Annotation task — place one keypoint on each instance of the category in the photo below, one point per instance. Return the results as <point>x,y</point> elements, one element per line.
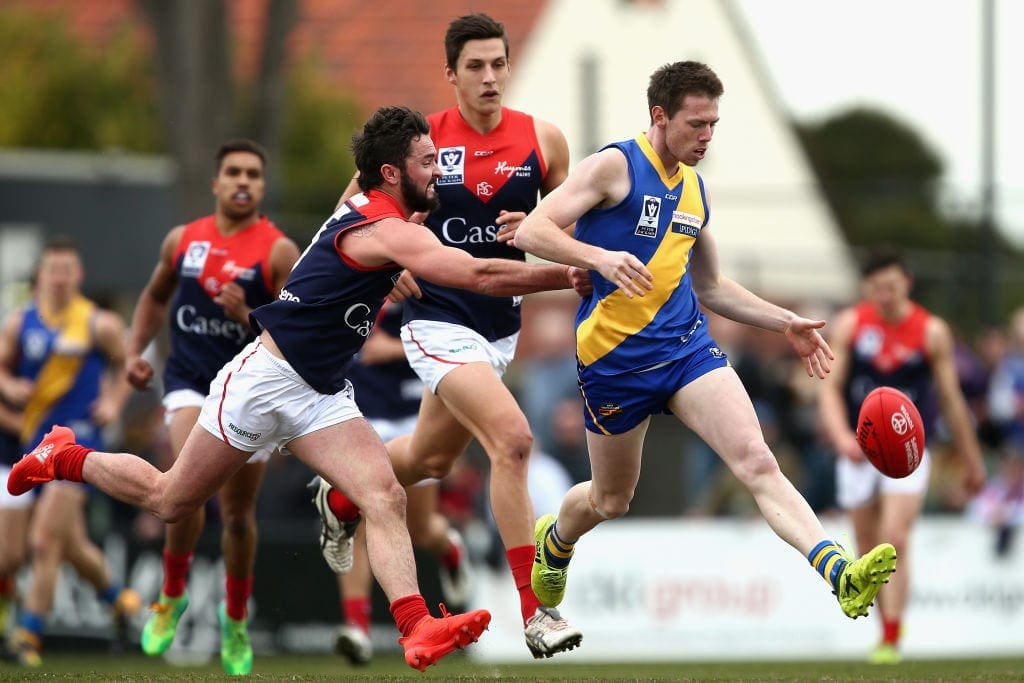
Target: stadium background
<point>787,237</point>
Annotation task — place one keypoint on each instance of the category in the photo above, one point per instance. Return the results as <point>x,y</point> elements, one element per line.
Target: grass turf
<point>133,667</point>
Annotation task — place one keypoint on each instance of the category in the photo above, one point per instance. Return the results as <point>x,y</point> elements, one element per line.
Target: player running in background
<point>889,340</point>
<point>211,273</point>
<point>14,515</point>
<point>388,392</point>
<point>494,161</point>
<point>61,362</point>
<point>641,216</point>
<point>288,387</point>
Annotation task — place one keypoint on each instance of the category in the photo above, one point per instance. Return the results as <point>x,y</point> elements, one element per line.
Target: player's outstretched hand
<point>140,372</point>
<point>580,279</point>
<point>508,222</point>
<point>405,288</point>
<point>803,334</point>
<point>626,272</point>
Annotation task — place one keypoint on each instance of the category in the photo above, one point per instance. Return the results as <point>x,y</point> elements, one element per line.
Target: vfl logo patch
<point>452,161</point>
<point>686,224</point>
<point>195,259</point>
<point>647,225</point>
<point>609,410</point>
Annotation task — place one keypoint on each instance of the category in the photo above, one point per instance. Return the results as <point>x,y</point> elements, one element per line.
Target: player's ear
<point>391,174</point>
<point>449,74</point>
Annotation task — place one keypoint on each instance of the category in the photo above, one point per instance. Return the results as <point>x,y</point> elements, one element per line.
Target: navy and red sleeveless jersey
<point>481,175</point>
<point>329,304</point>
<point>203,338</point>
<point>386,391</point>
<point>890,354</point>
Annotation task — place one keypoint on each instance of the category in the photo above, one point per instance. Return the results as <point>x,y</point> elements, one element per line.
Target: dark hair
<point>60,243</point>
<point>671,84</point>
<point>386,138</point>
<point>471,27</point>
<point>881,258</point>
<point>238,145</point>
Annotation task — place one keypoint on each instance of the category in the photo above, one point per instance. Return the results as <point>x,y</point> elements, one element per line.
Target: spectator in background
<point>62,362</point>
<point>1001,503</point>
<point>1006,388</point>
<point>14,515</point>
<point>889,340</point>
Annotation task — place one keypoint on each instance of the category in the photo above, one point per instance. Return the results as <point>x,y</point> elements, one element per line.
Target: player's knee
<point>512,448</point>
<point>239,525</point>
<point>438,466</point>
<point>610,505</point>
<point>390,501</point>
<point>757,463</point>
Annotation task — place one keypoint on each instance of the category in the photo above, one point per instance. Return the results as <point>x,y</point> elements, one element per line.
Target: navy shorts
<point>614,404</point>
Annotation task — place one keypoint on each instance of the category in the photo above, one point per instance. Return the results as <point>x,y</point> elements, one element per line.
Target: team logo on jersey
<point>686,224</point>
<point>452,161</point>
<point>484,188</point>
<point>647,226</point>
<point>195,259</point>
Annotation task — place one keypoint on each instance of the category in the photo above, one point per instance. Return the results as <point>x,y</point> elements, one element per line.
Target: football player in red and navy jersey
<point>889,340</point>
<point>288,387</point>
<point>494,164</point>
<point>211,273</point>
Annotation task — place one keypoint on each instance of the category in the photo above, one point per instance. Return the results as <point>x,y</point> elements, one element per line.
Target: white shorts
<point>389,429</point>
<point>858,483</point>
<point>435,348</point>
<point>258,402</point>
<point>7,501</point>
<point>190,398</point>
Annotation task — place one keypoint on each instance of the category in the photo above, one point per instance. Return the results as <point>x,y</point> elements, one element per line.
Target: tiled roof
<point>382,52</point>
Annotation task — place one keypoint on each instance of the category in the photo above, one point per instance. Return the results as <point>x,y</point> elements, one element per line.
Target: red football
<point>890,432</point>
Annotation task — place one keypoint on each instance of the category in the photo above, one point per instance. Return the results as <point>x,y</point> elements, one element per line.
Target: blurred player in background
<point>641,216</point>
<point>61,362</point>
<point>14,515</point>
<point>288,387</point>
<point>388,393</point>
<point>494,161</point>
<point>889,340</point>
<point>211,273</point>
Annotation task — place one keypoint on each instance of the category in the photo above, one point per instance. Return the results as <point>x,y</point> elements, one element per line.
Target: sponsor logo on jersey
<point>452,161</point>
<point>357,317</point>
<point>195,259</point>
<point>609,411</point>
<point>483,152</point>
<point>188,321</point>
<point>285,295</point>
<point>647,225</point>
<point>508,170</point>
<point>686,224</point>
<point>233,271</point>
<point>456,230</point>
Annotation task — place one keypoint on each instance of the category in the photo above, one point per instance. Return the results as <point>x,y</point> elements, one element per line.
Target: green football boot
<point>548,582</point>
<point>863,578</point>
<point>158,633</point>
<point>235,648</point>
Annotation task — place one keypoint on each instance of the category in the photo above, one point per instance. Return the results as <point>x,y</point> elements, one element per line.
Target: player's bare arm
<point>110,339</point>
<point>417,249</point>
<point>15,390</point>
<point>732,300</point>
<point>10,420</point>
<point>832,405</point>
<point>939,341</point>
<point>151,310</point>
<point>601,179</point>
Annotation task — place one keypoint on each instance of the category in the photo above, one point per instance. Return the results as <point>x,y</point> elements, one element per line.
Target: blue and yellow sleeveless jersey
<point>59,354</point>
<point>659,222</point>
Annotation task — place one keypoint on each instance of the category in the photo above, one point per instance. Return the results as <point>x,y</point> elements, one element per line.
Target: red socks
<point>237,592</point>
<point>890,631</point>
<point>521,561</point>
<point>408,612</point>
<point>68,463</point>
<point>175,573</point>
<point>343,508</point>
<point>356,611</point>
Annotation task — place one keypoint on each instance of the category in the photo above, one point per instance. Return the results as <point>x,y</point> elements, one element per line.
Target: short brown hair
<point>471,27</point>
<point>670,85</point>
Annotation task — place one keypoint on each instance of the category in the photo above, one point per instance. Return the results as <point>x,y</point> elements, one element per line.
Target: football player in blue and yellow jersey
<point>641,213</point>
<point>62,361</point>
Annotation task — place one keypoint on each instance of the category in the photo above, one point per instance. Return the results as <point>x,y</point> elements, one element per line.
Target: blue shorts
<point>614,404</point>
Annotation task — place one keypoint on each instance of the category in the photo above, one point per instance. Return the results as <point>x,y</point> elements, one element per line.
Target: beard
<point>416,199</point>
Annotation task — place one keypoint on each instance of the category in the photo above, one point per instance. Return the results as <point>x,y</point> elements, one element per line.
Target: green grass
<point>134,667</point>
